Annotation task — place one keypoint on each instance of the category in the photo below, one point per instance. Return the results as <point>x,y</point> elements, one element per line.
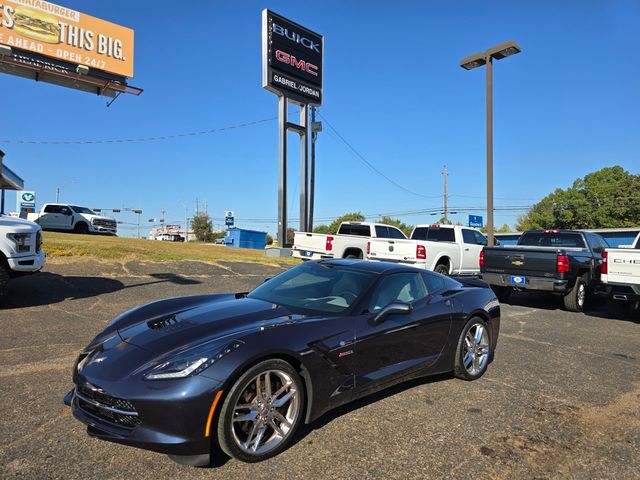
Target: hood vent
<point>168,323</point>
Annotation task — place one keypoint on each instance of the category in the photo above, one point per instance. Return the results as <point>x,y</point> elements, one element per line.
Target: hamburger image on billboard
<point>61,33</point>
<point>36,25</point>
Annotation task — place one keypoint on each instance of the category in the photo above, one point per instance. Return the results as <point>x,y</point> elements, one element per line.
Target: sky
<point>569,104</point>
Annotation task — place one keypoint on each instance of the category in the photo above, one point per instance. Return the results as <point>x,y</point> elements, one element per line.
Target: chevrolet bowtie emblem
<point>517,263</point>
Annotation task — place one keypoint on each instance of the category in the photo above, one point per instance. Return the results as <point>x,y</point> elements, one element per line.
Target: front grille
<point>106,407</point>
<point>99,222</point>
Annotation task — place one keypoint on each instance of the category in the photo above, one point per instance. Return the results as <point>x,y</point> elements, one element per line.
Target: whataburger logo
<point>28,197</point>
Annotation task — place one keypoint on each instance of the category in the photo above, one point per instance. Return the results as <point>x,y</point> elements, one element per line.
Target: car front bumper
<point>27,263</point>
<point>531,283</point>
<point>100,229</point>
<point>171,417</point>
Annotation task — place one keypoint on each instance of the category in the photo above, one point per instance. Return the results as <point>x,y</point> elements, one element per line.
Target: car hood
<point>18,223</point>
<point>97,217</point>
<point>221,318</point>
<point>121,351</point>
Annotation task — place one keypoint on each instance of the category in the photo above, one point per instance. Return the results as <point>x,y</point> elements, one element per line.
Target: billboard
<point>63,34</point>
<point>292,59</point>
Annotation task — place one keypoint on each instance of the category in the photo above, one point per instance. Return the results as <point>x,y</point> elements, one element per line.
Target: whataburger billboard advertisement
<point>292,57</point>
<point>61,33</point>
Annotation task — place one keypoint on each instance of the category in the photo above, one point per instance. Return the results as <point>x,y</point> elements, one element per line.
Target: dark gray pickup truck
<point>563,262</point>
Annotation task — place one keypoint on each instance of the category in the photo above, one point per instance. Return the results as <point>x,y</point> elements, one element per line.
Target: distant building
<point>243,238</point>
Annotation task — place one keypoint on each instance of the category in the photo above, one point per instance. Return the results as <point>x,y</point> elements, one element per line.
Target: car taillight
<point>481,258</point>
<point>329,244</point>
<point>368,248</point>
<point>421,252</point>
<point>563,264</point>
<point>604,269</point>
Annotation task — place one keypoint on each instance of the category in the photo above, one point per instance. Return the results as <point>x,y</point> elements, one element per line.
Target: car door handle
<point>466,249</point>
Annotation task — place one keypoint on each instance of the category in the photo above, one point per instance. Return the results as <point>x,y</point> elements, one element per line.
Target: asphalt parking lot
<point>561,400</point>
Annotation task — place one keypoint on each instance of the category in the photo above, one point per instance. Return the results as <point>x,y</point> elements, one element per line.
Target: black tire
<point>617,308</point>
<point>226,438</point>
<point>82,228</point>
<point>502,293</point>
<point>4,280</point>
<point>574,300</point>
<point>459,369</point>
<point>442,269</point>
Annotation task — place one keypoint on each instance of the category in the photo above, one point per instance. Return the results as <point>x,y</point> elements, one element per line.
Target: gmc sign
<point>292,59</point>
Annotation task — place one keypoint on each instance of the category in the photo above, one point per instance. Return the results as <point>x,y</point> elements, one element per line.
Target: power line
<point>141,139</point>
<point>369,164</point>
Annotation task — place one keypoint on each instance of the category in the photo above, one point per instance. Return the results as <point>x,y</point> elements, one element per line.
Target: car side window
<point>397,287</point>
<point>468,236</point>
<point>446,235</point>
<point>52,209</point>
<point>433,282</point>
<point>65,210</point>
<point>382,232</point>
<point>480,238</point>
<point>395,233</point>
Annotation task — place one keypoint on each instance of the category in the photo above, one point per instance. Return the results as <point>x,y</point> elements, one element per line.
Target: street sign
<point>229,218</point>
<point>475,221</point>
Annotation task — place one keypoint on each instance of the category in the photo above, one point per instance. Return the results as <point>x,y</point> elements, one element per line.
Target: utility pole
<point>163,211</point>
<point>445,173</point>
<point>186,223</point>
<point>197,207</point>
<point>315,128</point>
<point>57,194</point>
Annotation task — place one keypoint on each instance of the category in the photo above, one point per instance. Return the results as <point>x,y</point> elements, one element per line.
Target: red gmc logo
<point>294,62</point>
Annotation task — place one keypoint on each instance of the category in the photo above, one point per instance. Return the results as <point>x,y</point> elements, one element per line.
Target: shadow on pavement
<point>48,288</point>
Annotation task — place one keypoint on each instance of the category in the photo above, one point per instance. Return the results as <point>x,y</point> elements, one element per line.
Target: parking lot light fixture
<point>470,62</point>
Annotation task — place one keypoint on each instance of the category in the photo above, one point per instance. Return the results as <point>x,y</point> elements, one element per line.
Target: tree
<point>608,198</point>
<point>269,239</point>
<point>201,225</point>
<point>444,221</point>
<point>397,223</point>
<point>333,226</point>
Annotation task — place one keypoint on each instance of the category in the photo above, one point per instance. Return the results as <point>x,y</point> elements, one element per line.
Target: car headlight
<point>190,362</point>
<point>22,241</point>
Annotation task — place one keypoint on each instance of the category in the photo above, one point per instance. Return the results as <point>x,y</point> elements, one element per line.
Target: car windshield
<point>86,210</point>
<point>316,287</point>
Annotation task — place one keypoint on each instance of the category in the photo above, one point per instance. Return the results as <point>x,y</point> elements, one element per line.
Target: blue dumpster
<point>243,238</point>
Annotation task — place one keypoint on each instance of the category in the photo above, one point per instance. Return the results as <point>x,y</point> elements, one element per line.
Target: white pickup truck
<point>620,277</point>
<point>351,241</point>
<point>71,218</point>
<point>20,249</point>
<point>445,249</point>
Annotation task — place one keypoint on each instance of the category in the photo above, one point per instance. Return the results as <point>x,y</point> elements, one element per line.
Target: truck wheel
<point>81,227</point>
<point>503,293</point>
<point>442,269</point>
<point>617,308</point>
<point>4,281</point>
<point>574,300</point>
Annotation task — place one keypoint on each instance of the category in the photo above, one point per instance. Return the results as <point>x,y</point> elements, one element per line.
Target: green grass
<point>115,248</point>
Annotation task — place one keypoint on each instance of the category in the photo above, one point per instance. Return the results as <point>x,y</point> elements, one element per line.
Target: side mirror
<point>394,308</point>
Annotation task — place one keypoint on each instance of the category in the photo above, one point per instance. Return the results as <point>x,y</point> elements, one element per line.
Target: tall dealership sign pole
<point>498,52</point>
<point>292,64</point>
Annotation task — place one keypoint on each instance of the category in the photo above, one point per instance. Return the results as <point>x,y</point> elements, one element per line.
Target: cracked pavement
<point>561,400</point>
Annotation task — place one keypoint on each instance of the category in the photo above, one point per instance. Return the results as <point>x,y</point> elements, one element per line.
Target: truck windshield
<point>434,234</point>
<point>550,239</point>
<point>85,210</point>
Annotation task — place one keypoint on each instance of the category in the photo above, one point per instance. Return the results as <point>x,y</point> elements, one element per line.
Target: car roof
<point>373,267</point>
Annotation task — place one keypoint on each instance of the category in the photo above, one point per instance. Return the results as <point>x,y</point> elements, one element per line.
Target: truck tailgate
<point>310,242</point>
<point>396,250</point>
<point>623,265</point>
<point>525,261</point>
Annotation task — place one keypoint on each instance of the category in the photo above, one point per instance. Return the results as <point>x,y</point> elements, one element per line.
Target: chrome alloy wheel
<point>476,349</point>
<point>265,412</point>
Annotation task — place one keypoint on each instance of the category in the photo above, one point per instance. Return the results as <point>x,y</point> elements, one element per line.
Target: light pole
<point>498,52</point>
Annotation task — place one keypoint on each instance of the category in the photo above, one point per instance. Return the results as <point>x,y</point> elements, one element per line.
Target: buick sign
<point>292,58</point>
